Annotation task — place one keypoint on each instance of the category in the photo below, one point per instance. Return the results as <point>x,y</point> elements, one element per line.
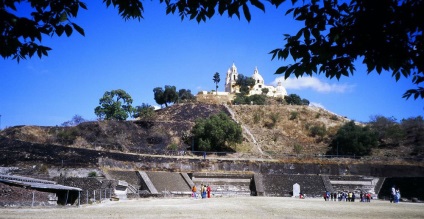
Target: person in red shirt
<point>208,190</point>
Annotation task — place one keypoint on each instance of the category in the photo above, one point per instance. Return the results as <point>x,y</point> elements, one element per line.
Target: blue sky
<point>163,50</point>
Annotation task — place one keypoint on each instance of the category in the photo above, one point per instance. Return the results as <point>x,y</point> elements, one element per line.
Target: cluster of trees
<point>334,33</point>
<point>352,139</point>
<point>169,95</point>
<point>117,104</point>
<point>408,132</point>
<point>256,99</point>
<point>294,99</point>
<point>382,132</point>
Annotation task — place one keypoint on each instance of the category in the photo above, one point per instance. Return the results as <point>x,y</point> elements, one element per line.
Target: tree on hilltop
<point>185,95</point>
<point>294,99</point>
<point>145,111</point>
<point>245,83</point>
<point>114,105</point>
<point>165,96</point>
<point>216,80</point>
<point>334,35</point>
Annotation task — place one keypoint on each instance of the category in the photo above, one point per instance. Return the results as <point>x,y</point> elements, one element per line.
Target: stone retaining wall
<point>282,185</point>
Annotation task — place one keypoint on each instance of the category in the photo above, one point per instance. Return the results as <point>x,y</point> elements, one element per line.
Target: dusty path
<point>234,207</point>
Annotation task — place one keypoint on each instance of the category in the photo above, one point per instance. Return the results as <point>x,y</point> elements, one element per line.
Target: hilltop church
<point>232,88</point>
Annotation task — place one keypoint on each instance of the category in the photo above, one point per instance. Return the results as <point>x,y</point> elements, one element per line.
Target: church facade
<point>232,88</point>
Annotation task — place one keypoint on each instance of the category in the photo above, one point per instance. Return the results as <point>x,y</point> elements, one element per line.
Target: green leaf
<point>107,2</point>
<point>68,30</point>
<point>289,11</point>
<point>210,12</point>
<point>39,53</point>
<point>221,7</point>
<point>258,4</point>
<point>378,68</point>
<point>63,17</point>
<point>82,5</point>
<point>306,34</point>
<point>78,29</point>
<point>193,15</point>
<point>246,12</point>
<point>281,70</point>
<point>59,30</point>
<point>274,53</point>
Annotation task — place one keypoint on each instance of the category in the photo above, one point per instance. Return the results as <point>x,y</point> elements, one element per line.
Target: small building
<point>20,190</point>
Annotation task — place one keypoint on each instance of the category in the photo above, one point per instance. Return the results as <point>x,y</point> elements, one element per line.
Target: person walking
<point>202,189</point>
<point>208,190</point>
<point>194,190</point>
<point>397,196</point>
<point>392,194</point>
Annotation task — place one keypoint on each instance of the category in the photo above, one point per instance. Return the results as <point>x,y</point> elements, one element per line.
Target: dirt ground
<point>229,207</point>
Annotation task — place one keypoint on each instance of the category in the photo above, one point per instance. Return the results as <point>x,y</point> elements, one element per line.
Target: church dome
<point>257,77</point>
<point>280,90</point>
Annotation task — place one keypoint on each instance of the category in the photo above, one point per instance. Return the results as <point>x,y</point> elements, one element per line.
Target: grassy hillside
<point>287,129</point>
<point>275,130</point>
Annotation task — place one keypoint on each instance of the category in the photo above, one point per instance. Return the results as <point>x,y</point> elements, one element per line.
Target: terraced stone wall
<point>282,185</point>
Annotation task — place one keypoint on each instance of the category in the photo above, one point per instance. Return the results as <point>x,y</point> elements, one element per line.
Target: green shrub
<point>275,117</point>
<point>334,117</point>
<point>92,174</point>
<point>297,148</point>
<point>68,135</point>
<point>173,146</point>
<point>216,133</point>
<point>293,115</point>
<point>317,130</point>
<point>352,139</point>
<point>257,116</point>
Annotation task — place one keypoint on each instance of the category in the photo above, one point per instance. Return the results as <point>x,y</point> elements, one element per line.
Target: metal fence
<point>37,198</point>
<point>94,196</point>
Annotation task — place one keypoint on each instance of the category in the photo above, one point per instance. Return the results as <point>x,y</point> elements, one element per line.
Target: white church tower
<point>231,79</point>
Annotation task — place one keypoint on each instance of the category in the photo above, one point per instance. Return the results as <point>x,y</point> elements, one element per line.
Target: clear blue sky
<point>163,50</point>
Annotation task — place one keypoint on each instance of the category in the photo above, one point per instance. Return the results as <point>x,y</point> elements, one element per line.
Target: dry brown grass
<point>232,207</point>
<point>278,129</point>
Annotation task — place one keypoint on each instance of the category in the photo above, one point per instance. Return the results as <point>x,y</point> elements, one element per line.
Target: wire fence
<point>34,198</point>
<point>94,196</point>
<point>271,155</point>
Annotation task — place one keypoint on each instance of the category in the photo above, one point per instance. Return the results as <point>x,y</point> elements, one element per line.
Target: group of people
<point>346,196</point>
<point>395,195</point>
<point>205,191</point>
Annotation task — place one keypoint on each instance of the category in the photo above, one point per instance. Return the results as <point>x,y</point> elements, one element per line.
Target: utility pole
<point>0,121</point>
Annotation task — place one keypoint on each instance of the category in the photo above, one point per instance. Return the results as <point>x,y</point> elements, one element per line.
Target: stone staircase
<point>356,184</point>
<point>327,184</point>
<point>243,184</point>
<point>225,184</point>
<point>168,183</point>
